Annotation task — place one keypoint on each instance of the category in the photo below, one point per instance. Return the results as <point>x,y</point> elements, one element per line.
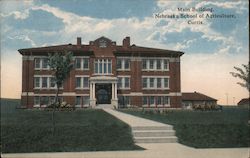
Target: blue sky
<point>221,42</point>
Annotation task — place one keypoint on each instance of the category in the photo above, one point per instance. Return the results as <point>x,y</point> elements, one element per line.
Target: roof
<point>244,101</point>
<point>117,49</point>
<point>66,47</point>
<point>196,96</point>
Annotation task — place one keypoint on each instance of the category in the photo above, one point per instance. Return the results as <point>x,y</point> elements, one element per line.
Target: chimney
<point>79,41</point>
<point>126,42</point>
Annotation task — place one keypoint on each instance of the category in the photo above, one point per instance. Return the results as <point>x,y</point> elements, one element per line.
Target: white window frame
<point>123,82</point>
<point>48,78</point>
<point>82,63</point>
<point>101,62</point>
<point>123,64</point>
<point>154,68</point>
<point>41,63</point>
<point>81,81</point>
<point>155,82</point>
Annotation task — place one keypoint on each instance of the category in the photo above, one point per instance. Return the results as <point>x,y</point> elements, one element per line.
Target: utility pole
<point>227,98</point>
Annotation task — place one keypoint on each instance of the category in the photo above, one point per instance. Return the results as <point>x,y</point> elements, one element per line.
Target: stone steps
<point>154,134</point>
<point>172,139</point>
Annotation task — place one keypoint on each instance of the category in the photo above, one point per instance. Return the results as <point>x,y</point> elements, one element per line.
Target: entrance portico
<point>103,90</point>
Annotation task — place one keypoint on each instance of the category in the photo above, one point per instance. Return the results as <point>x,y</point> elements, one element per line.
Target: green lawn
<point>204,129</point>
<point>80,130</point>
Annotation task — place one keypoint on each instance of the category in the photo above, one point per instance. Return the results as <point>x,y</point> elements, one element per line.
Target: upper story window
<point>123,64</point>
<point>103,66</point>
<point>123,82</point>
<point>155,82</point>
<point>44,82</point>
<point>41,63</point>
<point>102,43</point>
<point>82,82</point>
<point>155,64</point>
<point>82,63</point>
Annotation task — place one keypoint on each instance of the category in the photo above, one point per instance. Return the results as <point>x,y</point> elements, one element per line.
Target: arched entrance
<point>103,93</point>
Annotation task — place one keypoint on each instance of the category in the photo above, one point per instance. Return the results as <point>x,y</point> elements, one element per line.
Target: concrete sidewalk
<point>162,150</point>
<point>133,121</point>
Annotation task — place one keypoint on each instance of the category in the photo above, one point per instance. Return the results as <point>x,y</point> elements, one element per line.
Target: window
<point>144,64</point>
<point>166,83</point>
<point>52,100</point>
<point>123,101</point>
<point>82,63</point>
<point>78,63</point>
<point>85,82</point>
<point>144,100</point>
<point>78,82</point>
<point>119,84</point>
<point>155,64</point>
<point>165,64</point>
<point>44,100</point>
<point>82,82</point>
<point>151,64</point>
<point>78,100</point>
<point>103,66</point>
<point>126,82</point>
<point>152,100</point>
<point>151,82</point>
<point>37,63</point>
<point>166,100</point>
<point>126,64</point>
<point>52,82</point>
<point>37,82</point>
<point>158,82</point>
<point>123,64</point>
<point>36,100</point>
<point>41,63</point>
<point>158,64</point>
<point>44,82</point>
<point>45,63</point>
<point>123,82</point>
<point>118,64</point>
<point>85,100</point>
<point>144,82</point>
<point>158,100</point>
<point>85,63</point>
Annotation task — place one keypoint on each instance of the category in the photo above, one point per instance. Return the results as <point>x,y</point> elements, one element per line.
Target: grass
<point>205,129</point>
<point>80,130</point>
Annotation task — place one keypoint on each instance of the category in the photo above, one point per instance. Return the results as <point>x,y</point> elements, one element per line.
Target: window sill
<point>122,69</point>
<point>155,88</point>
<point>82,88</point>
<point>147,70</point>
<point>79,69</point>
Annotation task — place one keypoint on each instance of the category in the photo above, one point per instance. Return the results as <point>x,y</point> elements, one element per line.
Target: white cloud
<point>23,38</point>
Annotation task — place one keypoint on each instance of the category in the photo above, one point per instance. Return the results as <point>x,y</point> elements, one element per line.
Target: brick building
<point>104,73</point>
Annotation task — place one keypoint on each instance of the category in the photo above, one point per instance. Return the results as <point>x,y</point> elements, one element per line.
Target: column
<point>90,91</point>
<point>113,91</point>
<point>93,91</point>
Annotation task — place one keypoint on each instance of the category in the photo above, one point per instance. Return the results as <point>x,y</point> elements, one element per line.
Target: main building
<point>104,73</point>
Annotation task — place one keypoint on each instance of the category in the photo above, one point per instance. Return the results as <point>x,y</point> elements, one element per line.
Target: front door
<point>103,93</point>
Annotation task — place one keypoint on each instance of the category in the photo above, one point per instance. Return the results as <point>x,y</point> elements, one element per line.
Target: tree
<point>243,74</point>
<point>60,65</point>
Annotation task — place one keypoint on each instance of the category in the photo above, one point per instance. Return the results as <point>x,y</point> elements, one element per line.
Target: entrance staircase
<point>146,131</point>
<point>104,106</point>
<point>154,134</point>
